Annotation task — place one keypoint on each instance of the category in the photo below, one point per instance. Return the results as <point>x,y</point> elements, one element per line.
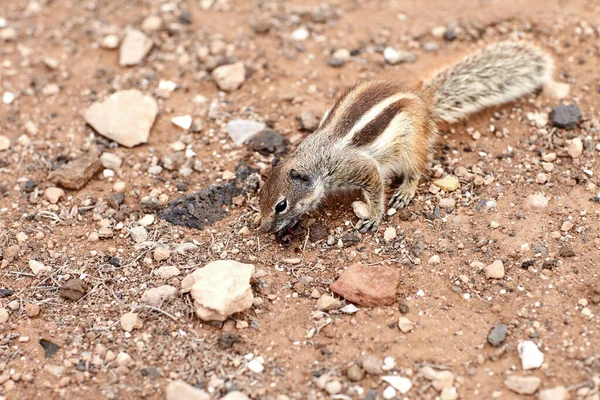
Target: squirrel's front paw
<point>366,225</point>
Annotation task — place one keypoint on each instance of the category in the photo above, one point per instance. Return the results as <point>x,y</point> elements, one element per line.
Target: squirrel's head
<point>289,192</point>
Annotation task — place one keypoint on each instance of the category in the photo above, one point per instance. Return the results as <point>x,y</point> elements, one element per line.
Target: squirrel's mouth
<point>286,224</point>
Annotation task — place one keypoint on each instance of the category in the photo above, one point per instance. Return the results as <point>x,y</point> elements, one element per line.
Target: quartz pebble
<point>531,356</point>
<point>229,77</point>
<point>393,56</point>
<point>134,48</point>
<point>400,383</point>
<point>328,303</point>
<point>405,325</point>
<point>575,148</point>
<point>495,270</point>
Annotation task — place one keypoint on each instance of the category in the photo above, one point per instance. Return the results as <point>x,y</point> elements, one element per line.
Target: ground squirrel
<point>377,131</point>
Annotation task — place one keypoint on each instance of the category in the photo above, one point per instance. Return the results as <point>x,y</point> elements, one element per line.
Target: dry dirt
<point>546,295</point>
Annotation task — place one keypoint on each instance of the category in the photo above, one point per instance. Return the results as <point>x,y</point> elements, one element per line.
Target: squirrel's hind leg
<point>405,193</point>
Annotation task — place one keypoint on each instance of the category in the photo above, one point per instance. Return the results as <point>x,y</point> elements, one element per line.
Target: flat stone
<point>179,390</point>
<point>565,117</point>
<point>157,296</point>
<point>77,172</point>
<point>242,130</point>
<point>369,286</point>
<point>523,384</point>
<point>167,272</point>
<point>73,289</point>
<point>235,395</point>
<point>134,48</point>
<point>222,288</point>
<point>125,117</point>
<point>556,393</point>
<point>229,77</point>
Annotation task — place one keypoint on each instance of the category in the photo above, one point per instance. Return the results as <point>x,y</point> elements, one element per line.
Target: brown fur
<point>378,131</point>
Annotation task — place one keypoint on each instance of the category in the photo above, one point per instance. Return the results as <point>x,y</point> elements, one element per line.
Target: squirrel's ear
<point>275,161</point>
<point>298,176</point>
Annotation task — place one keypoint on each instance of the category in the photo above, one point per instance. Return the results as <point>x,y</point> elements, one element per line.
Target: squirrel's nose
<point>266,226</point>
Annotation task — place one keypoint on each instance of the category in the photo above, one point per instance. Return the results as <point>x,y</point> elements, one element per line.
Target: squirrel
<point>377,131</point>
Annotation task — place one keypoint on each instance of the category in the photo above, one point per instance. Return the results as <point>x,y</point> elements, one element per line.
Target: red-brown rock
<point>368,286</point>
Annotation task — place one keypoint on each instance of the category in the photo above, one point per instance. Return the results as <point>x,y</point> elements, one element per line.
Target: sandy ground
<point>549,293</point>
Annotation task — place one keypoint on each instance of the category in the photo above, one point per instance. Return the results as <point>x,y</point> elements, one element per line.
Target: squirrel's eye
<point>280,207</point>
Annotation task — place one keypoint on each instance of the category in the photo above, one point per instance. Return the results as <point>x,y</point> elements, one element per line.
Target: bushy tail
<point>495,75</point>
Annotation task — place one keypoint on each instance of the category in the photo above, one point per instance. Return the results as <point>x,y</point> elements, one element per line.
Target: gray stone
<point>497,335</point>
<point>565,117</point>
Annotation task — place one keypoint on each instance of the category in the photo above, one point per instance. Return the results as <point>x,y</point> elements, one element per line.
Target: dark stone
<point>150,204</point>
<point>269,142</point>
<point>58,162</point>
<point>527,263</point>
<point>152,372</point>
<point>481,204</point>
<point>318,232</point>
<point>200,209</point>
<point>29,186</point>
<point>185,17</point>
<point>50,349</point>
<point>403,307</point>
<point>288,235</point>
<point>205,207</point>
<point>450,35</point>
<point>565,117</point>
<point>115,200</point>
<point>81,367</point>
<point>115,262</point>
<point>497,335</point>
<point>6,293</point>
<point>228,339</point>
<point>182,187</point>
<point>566,251</point>
<point>549,264</point>
<point>349,239</point>
<point>73,289</point>
<point>371,395</point>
